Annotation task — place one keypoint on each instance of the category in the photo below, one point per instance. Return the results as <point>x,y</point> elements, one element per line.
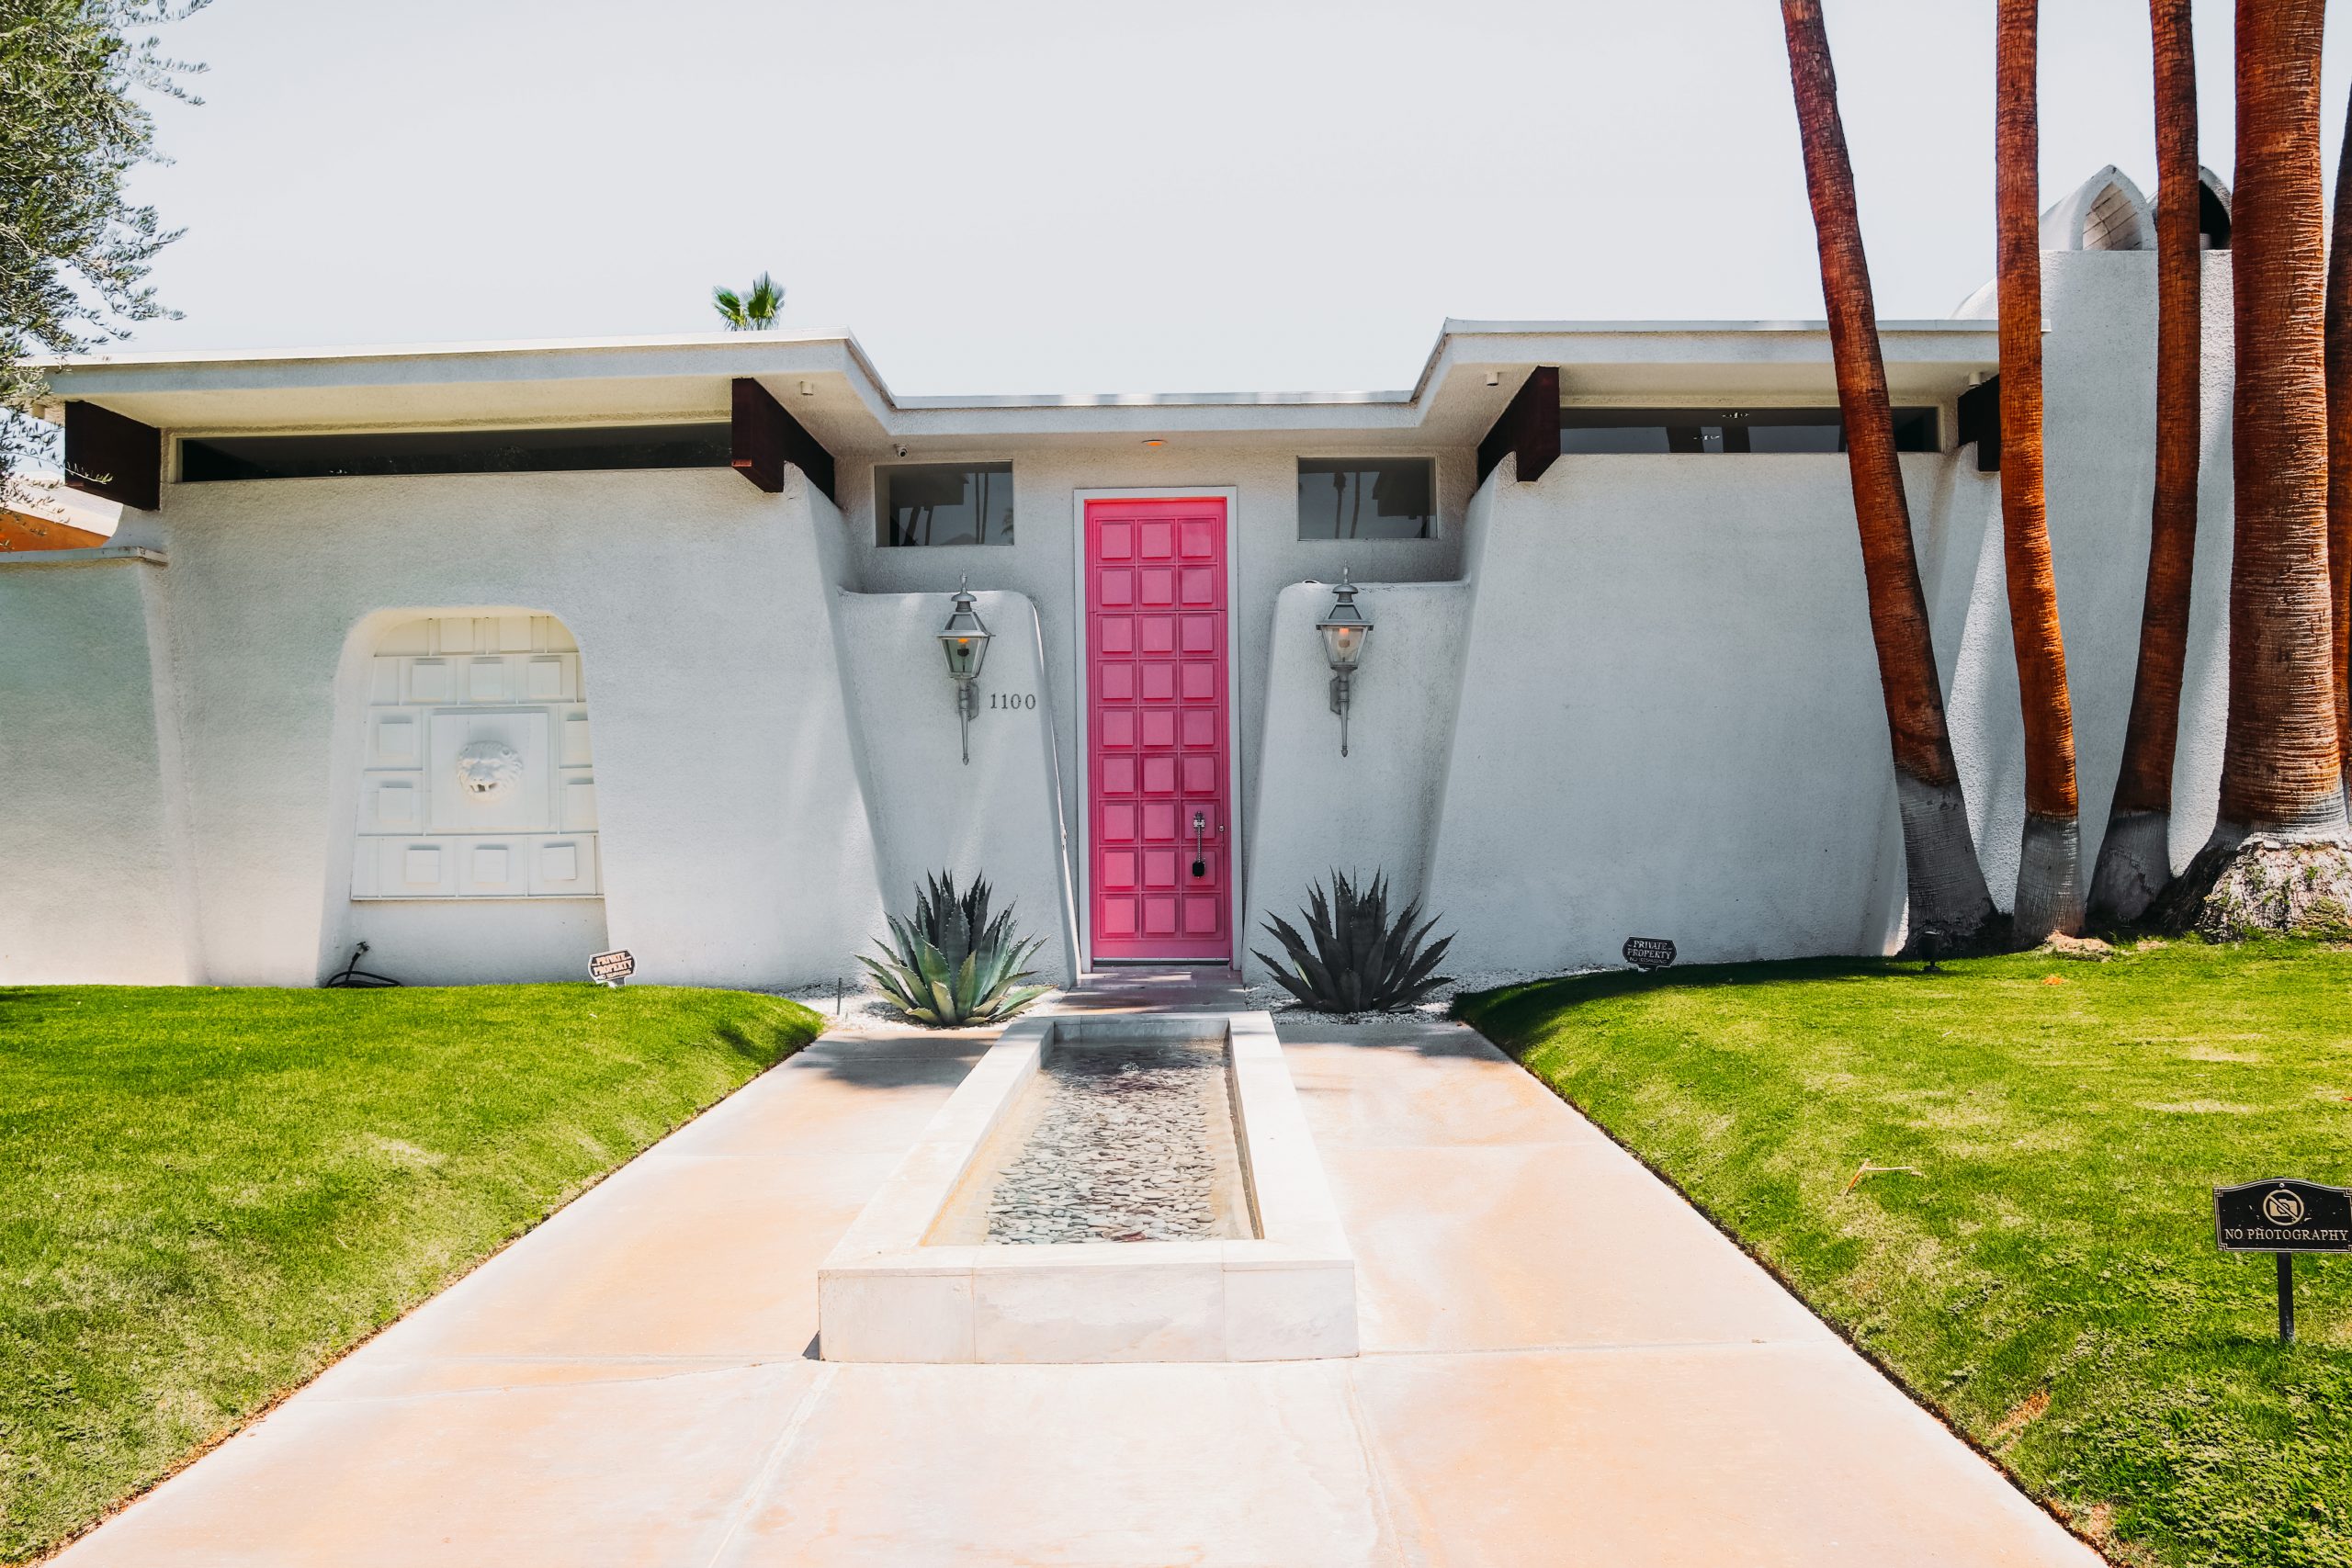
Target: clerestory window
<point>944,503</point>
<point>1718,429</point>
<point>1367,498</point>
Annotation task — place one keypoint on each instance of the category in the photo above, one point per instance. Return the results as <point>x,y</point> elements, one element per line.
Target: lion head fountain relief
<point>489,769</point>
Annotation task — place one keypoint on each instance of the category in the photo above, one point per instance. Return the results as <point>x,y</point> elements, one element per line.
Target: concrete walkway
<point>1562,1364</point>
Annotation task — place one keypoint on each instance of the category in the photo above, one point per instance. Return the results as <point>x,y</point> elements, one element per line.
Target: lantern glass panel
<point>1343,644</point>
<point>965,654</point>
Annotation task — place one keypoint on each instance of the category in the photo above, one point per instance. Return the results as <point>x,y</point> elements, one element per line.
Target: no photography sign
<point>2284,1216</point>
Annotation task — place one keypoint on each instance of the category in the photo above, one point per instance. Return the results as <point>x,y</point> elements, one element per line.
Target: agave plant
<point>1361,961</point>
<point>953,966</point>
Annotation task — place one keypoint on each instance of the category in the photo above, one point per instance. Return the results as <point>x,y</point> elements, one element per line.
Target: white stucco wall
<point>1375,808</point>
<point>1709,744</point>
<point>1670,722</point>
<point>1000,816</point>
<point>736,844</point>
<point>90,888</point>
<point>1636,697</point>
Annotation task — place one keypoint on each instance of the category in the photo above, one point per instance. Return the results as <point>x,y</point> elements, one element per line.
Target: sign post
<point>611,968</point>
<point>2283,1216</point>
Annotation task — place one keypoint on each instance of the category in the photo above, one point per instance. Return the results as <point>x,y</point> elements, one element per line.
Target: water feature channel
<point>1113,1142</point>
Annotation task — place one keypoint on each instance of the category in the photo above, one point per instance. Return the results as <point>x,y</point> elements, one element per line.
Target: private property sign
<point>2283,1215</point>
<point>1648,952</point>
<point>611,968</point>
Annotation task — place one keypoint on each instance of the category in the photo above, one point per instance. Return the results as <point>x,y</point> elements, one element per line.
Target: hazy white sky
<point>1094,195</point>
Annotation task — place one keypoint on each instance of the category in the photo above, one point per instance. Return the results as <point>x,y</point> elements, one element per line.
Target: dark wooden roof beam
<point>113,455</point>
<point>766,438</point>
<point>1530,427</point>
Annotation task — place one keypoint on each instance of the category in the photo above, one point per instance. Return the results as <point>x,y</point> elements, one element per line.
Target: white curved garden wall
<point>1670,722</point>
<point>92,831</point>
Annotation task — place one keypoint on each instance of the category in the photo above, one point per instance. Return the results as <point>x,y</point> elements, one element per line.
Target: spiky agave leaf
<point>1364,931</point>
<point>967,989</point>
<point>1002,996</point>
<point>1395,947</point>
<point>1398,954</point>
<point>1315,974</point>
<point>893,982</point>
<point>907,940</point>
<point>933,993</point>
<point>1014,1000</point>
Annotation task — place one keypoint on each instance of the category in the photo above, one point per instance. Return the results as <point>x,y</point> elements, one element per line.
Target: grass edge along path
<point>216,1194</point>
<point>2048,1284</point>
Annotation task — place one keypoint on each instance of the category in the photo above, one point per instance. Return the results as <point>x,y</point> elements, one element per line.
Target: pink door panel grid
<point>1157,776</point>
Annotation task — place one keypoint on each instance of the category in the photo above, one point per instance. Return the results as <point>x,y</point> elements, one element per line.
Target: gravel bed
<point>861,1003</point>
<point>1121,1151</point>
<point>1288,1009</point>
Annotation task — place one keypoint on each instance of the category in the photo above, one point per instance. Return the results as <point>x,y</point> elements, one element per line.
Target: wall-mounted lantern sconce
<point>966,642</point>
<point>1345,631</point>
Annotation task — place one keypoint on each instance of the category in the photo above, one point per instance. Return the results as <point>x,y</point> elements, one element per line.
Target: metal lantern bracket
<point>1345,635</point>
<point>964,640</point>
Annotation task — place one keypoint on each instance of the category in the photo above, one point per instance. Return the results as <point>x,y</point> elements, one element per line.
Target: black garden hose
<point>353,975</point>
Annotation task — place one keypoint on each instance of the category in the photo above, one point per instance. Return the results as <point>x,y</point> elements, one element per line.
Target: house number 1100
<point>1012,700</point>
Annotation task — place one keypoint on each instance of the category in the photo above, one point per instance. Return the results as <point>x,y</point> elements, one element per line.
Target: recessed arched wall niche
<point>477,776</point>
<point>2213,211</point>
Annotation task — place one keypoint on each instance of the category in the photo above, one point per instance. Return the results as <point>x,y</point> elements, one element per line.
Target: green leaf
<point>967,989</point>
<point>1015,1000</point>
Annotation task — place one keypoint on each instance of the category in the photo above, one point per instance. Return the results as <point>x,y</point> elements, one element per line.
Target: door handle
<point>1200,827</point>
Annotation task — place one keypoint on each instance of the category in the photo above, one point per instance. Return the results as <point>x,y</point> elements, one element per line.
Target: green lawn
<point>2050,1279</point>
<point>208,1195</point>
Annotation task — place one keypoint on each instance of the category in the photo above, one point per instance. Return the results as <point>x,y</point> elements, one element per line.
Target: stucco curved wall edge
<point>1001,815</point>
<point>93,842</point>
<point>1375,808</point>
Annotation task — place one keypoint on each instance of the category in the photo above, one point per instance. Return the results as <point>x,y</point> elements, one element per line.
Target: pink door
<point>1157,783</point>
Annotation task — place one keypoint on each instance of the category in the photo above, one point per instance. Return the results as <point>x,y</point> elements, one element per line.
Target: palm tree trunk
<point>2281,766</point>
<point>2338,334</point>
<point>1946,890</point>
<point>2049,884</point>
<point>2277,849</point>
<point>2135,860</point>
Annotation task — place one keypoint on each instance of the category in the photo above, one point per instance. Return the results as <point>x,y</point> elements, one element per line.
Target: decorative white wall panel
<point>477,778</point>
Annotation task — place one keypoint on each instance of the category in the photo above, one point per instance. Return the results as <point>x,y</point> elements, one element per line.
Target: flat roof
<point>825,378</point>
